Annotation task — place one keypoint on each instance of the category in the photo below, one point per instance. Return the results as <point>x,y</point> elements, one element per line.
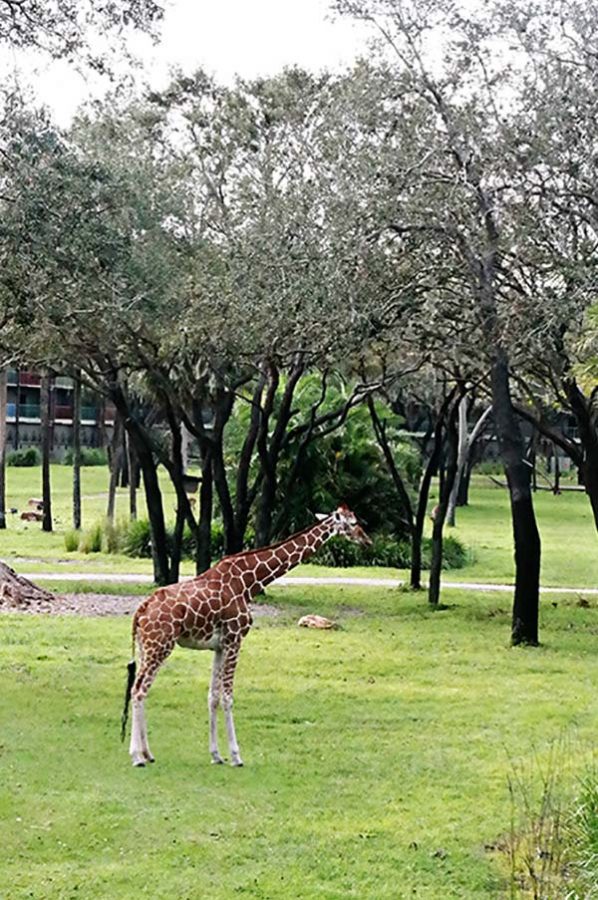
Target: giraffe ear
<point>321,516</point>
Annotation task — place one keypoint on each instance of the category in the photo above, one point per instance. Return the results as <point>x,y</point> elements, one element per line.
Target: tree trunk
<point>3,430</point>
<point>422,504</point>
<point>461,461</point>
<point>525,529</point>
<point>45,412</point>
<point>203,550</point>
<point>441,511</point>
<point>133,478</point>
<point>77,452</point>
<point>153,494</point>
<point>17,592</point>
<point>115,465</point>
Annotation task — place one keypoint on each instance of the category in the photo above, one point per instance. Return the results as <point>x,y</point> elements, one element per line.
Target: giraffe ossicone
<point>212,612</point>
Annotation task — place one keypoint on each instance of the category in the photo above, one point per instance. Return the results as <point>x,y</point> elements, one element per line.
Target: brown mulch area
<point>95,605</point>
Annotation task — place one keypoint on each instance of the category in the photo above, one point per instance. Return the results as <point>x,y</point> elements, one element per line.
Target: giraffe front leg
<point>213,703</point>
<point>231,655</point>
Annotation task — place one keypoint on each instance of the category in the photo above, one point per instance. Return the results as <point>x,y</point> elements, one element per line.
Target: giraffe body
<point>212,612</point>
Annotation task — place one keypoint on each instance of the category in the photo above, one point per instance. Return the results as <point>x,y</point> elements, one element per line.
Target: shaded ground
<point>97,605</point>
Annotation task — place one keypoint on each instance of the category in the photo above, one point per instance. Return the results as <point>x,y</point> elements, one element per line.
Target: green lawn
<point>569,537</point>
<point>376,756</point>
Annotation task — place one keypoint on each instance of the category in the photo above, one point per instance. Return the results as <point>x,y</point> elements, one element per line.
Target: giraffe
<point>211,612</point>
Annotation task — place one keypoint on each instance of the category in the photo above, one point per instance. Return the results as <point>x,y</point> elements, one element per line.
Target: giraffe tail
<point>131,671</point>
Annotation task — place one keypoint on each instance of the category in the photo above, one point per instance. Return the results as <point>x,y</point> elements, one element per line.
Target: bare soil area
<point>94,605</point>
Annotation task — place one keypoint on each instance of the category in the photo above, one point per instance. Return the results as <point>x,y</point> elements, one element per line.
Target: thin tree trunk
<point>441,511</point>
<point>461,461</point>
<point>203,550</point>
<point>133,478</point>
<point>115,464</point>
<point>422,504</point>
<point>3,430</point>
<point>77,452</point>
<point>45,412</point>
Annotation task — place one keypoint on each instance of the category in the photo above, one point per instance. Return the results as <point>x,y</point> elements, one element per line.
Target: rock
<point>313,621</point>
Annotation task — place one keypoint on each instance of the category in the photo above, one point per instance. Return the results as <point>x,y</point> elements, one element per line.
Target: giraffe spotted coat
<point>212,612</point>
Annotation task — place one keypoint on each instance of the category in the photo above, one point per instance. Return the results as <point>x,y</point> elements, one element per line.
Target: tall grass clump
<point>71,540</point>
<point>91,539</point>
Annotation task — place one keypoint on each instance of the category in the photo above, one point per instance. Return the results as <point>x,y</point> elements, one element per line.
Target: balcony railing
<point>29,379</point>
<point>63,381</point>
<point>29,411</point>
<point>88,413</point>
<point>63,412</point>
<point>11,410</point>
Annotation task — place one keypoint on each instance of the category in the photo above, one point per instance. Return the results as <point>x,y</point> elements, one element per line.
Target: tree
<point>452,194</point>
<point>62,28</point>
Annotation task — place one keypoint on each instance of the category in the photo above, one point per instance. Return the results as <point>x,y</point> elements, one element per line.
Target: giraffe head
<point>346,525</point>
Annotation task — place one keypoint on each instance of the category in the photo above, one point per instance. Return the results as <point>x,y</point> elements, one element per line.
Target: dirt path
<point>103,605</point>
<point>291,580</point>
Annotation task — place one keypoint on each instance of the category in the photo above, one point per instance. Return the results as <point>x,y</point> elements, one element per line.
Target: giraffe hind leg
<point>231,655</point>
<point>213,703</point>
<point>139,747</point>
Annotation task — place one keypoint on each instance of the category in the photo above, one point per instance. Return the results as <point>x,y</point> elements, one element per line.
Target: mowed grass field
<point>377,756</point>
<point>570,541</point>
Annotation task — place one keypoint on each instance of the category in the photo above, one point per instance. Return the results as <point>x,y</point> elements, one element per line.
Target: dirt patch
<point>99,605</point>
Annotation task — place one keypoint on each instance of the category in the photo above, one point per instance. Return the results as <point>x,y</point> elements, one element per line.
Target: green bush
<point>137,540</point>
<point>90,456</point>
<point>24,458</point>
<point>71,540</point>
<point>91,539</point>
<point>134,539</point>
<point>387,551</point>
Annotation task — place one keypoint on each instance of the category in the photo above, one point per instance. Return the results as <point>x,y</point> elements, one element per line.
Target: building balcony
<point>11,410</point>
<point>63,412</point>
<point>12,377</point>
<point>29,411</point>
<point>29,379</point>
<point>88,414</point>
<point>63,381</point>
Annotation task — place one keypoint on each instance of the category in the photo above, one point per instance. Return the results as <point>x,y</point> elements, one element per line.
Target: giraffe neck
<point>272,562</point>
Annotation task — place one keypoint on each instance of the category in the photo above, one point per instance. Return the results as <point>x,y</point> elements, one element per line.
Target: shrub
<point>24,458</point>
<point>388,551</point>
<point>90,456</point>
<point>137,540</point>
<point>114,535</point>
<point>71,540</point>
<point>91,539</point>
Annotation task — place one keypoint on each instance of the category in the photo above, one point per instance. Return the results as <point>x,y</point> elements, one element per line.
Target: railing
<point>29,411</point>
<point>30,379</point>
<point>63,381</point>
<point>63,412</point>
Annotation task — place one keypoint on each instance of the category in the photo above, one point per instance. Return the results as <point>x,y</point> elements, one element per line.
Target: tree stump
<point>19,593</point>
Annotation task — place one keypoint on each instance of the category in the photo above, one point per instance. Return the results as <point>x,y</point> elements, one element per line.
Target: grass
<point>377,756</point>
<point>568,533</point>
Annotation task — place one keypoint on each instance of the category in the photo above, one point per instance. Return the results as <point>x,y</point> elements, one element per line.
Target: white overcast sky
<point>226,37</point>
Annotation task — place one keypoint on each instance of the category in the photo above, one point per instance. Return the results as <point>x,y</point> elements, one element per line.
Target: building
<point>23,413</point>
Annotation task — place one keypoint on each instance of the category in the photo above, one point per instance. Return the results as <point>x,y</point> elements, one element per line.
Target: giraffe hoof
<point>217,760</point>
<point>237,763</point>
<point>139,764</point>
